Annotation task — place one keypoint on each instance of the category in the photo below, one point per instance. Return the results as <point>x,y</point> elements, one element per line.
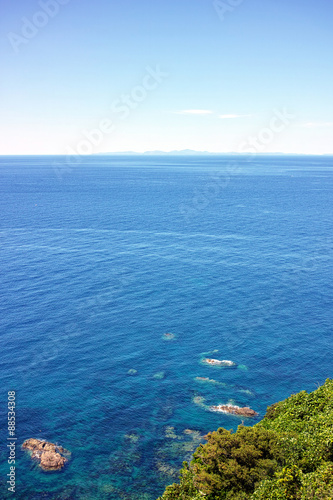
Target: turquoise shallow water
<point>98,263</point>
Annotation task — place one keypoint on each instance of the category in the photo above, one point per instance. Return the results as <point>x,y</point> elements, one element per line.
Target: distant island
<point>184,152</point>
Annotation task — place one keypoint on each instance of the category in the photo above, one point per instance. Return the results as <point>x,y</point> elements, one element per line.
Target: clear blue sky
<point>225,76</point>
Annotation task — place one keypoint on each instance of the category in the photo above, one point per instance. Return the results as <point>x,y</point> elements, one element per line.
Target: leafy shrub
<point>185,490</point>
<point>235,462</point>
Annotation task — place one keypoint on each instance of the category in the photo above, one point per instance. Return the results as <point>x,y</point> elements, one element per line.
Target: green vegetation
<point>288,455</point>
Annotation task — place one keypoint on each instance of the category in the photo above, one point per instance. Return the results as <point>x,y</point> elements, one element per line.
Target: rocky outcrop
<point>168,336</point>
<point>246,411</point>
<point>217,362</point>
<point>49,455</point>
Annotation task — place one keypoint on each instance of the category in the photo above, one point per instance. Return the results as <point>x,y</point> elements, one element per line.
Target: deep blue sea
<point>100,259</point>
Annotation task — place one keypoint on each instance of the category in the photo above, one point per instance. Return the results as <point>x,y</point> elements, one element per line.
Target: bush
<point>235,462</point>
<point>185,490</point>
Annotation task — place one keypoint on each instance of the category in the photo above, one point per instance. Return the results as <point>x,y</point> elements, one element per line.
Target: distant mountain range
<point>183,152</point>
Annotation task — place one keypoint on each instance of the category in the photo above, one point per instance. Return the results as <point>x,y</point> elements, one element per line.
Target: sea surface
<point>101,257</point>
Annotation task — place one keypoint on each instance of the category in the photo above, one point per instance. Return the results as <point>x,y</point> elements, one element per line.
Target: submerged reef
<point>176,445</point>
<point>170,432</point>
<point>212,381</point>
<point>132,437</point>
<point>199,400</point>
<point>209,380</point>
<point>168,336</point>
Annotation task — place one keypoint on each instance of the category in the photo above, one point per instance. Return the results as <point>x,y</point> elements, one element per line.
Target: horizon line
<point>175,153</point>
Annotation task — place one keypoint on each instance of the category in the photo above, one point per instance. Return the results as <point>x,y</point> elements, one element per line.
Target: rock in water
<point>52,461</point>
<point>48,454</point>
<point>168,336</point>
<point>246,411</point>
<point>217,362</point>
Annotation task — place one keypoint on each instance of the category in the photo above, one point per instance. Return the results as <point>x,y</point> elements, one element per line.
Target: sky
<point>86,77</point>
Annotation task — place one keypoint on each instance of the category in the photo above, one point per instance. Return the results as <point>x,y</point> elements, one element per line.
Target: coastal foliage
<point>288,455</point>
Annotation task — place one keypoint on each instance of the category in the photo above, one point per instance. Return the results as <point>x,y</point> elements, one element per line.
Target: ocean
<point>231,256</point>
